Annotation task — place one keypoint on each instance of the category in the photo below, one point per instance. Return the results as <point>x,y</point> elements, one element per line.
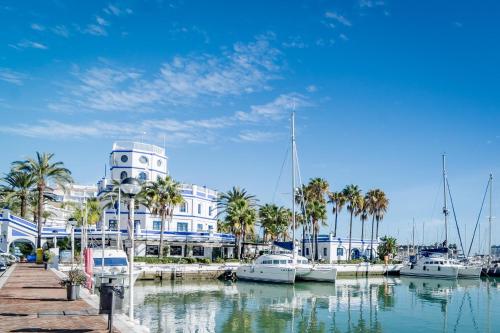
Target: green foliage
<point>388,246</point>
<point>75,277</point>
<point>275,221</point>
<point>64,244</point>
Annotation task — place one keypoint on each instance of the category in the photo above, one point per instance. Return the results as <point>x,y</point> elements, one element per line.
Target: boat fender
<point>439,268</point>
<point>424,268</point>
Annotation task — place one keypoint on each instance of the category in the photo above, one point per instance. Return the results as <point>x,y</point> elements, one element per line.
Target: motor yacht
<point>278,268</point>
<point>115,266</point>
<point>437,267</point>
<point>312,272</point>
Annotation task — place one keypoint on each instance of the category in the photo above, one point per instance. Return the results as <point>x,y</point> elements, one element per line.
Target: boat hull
<point>266,273</point>
<point>443,272</point>
<point>320,274</point>
<point>469,272</point>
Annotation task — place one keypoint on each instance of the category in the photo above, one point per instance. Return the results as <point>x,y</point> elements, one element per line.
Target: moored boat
<point>277,268</point>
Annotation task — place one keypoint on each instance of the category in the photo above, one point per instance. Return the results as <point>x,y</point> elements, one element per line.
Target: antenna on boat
<point>293,185</point>
<point>445,209</point>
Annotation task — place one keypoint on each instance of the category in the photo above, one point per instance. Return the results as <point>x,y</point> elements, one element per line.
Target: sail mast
<point>445,208</point>
<point>293,185</point>
<point>489,219</point>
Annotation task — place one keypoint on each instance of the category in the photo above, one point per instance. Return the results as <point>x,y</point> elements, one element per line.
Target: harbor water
<point>381,304</point>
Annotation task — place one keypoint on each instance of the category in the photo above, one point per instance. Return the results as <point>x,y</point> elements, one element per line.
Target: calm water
<point>350,305</point>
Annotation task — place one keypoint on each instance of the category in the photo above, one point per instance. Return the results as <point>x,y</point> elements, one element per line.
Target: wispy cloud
<point>244,69</point>
<point>343,36</point>
<point>10,76</point>
<point>114,9</point>
<point>60,30</point>
<point>339,18</point>
<point>458,24</point>
<point>311,88</point>
<point>295,42</point>
<point>371,3</point>
<point>251,125</point>
<point>38,27</point>
<point>29,44</point>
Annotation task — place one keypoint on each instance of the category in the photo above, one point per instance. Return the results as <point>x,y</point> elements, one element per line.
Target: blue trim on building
<point>131,167</point>
<point>138,151</point>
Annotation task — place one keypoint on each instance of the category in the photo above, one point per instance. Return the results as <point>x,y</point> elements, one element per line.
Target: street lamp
<point>131,187</point>
<point>72,222</point>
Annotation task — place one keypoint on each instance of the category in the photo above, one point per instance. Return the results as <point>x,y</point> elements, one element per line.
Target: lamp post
<point>131,187</point>
<point>72,222</point>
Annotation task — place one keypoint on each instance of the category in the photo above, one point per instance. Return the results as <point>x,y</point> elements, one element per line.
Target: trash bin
<point>106,291</point>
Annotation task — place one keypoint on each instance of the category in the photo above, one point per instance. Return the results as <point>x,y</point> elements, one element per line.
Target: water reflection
<point>349,305</point>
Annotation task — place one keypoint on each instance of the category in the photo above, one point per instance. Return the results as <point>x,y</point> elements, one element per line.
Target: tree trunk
<point>242,250</point>
<point>315,230</point>
<point>362,231</point>
<point>350,238</point>
<point>371,241</point>
<point>377,228</point>
<point>39,215</point>
<point>162,229</point>
<point>303,240</point>
<point>335,228</point>
<point>23,207</point>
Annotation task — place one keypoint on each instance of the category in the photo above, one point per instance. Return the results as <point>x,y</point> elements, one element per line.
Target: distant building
<point>333,249</point>
<point>495,251</point>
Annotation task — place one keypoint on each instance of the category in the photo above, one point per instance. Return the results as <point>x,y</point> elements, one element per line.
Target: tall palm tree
<point>43,170</point>
<point>371,207</point>
<point>238,209</point>
<point>316,210</point>
<point>18,185</point>
<point>382,206</point>
<point>353,197</point>
<point>275,220</point>
<point>317,189</point>
<point>362,211</point>
<point>162,196</point>
<point>91,208</point>
<point>337,199</point>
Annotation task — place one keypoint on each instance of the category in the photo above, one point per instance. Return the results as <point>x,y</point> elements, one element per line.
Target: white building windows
<point>325,252</point>
<point>112,225</point>
<point>143,159</point>
<point>183,207</point>
<point>210,211</point>
<point>158,163</point>
<point>199,209</point>
<point>156,225</point>
<point>182,226</point>
<point>199,227</point>
<point>340,252</point>
<point>124,158</point>
<point>143,176</point>
<point>123,175</point>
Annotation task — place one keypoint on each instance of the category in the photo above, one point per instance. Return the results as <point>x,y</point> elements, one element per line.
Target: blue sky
<point>381,88</point>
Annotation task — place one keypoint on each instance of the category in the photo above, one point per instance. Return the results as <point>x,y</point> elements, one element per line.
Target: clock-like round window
<point>143,159</point>
<point>124,158</point>
<point>158,163</point>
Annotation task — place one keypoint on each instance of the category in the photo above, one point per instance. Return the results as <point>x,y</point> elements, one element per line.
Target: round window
<point>158,163</point>
<point>123,175</point>
<point>143,159</point>
<point>143,176</point>
<point>124,158</point>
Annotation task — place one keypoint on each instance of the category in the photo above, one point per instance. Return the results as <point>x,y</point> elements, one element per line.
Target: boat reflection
<point>348,305</point>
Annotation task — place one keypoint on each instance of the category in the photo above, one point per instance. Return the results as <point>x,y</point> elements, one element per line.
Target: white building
<point>334,249</point>
<point>194,223</point>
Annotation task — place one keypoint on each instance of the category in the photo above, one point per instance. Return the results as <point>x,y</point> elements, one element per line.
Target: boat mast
<point>293,186</point>
<point>445,208</point>
<point>489,219</point>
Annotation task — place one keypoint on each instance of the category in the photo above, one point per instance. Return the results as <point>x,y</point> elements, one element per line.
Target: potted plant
<point>75,279</point>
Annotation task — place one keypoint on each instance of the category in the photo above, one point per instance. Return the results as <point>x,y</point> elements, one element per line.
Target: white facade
<point>334,249</point>
<point>147,163</point>
<point>74,193</point>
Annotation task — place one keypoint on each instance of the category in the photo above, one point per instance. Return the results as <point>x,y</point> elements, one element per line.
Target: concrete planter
<point>72,292</point>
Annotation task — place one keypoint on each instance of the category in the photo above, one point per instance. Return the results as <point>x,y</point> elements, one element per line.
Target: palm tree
<point>92,209</point>
<point>18,186</point>
<point>317,189</point>
<point>161,197</point>
<point>352,193</point>
<point>371,207</point>
<point>275,220</point>
<point>337,199</point>
<point>362,211</point>
<point>239,214</point>
<point>43,170</point>
<point>381,209</point>
<point>316,210</point>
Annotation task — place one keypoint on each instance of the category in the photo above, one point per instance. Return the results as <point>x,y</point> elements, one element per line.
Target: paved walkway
<point>31,300</point>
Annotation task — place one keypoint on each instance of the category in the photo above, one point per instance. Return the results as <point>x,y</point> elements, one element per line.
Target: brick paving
<point>31,300</point>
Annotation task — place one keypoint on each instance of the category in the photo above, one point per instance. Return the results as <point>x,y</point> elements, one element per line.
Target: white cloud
<point>116,11</point>
<point>257,136</point>
<point>96,30</point>
<point>370,3</point>
<point>275,110</point>
<point>244,69</point>
<point>344,37</point>
<point>458,24</point>
<point>11,76</point>
<point>295,42</point>
<point>311,88</point>
<point>101,21</point>
<point>28,44</point>
<point>339,18</point>
<point>37,27</point>
<point>60,30</point>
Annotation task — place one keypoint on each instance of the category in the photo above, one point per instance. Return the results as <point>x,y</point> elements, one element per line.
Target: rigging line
<point>459,313</point>
<point>479,217</point>
<point>474,322</point>
<point>435,200</point>
<point>454,216</point>
<point>281,173</point>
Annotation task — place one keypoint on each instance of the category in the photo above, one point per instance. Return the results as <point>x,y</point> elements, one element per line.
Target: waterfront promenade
<point>31,300</point>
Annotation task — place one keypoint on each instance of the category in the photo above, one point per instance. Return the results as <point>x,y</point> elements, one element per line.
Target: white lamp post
<point>131,187</point>
<point>72,222</point>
